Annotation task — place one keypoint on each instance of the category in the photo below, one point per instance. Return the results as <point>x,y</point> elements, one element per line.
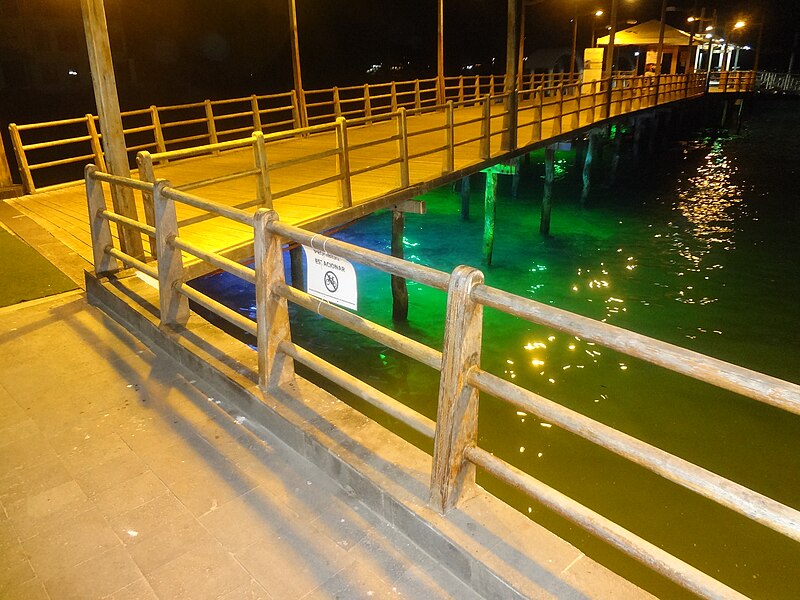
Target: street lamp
<point>597,13</point>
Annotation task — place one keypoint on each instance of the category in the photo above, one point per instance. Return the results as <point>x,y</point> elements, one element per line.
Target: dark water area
<point>697,246</point>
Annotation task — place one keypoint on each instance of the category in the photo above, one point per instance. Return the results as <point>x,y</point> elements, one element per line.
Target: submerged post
<point>399,287</point>
<point>105,93</point>
<point>547,196</point>
<point>489,215</point>
<point>587,167</point>
<point>452,476</point>
<point>612,175</point>
<point>465,194</point>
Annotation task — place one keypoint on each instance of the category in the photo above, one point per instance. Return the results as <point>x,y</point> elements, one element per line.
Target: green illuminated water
<point>700,249</point>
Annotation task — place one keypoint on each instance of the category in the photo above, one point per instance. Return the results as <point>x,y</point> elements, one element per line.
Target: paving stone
<point>138,590</point>
<point>95,578</point>
<point>41,511</point>
<point>163,545</point>
<point>354,582</point>
<point>135,525</point>
<point>33,589</point>
<point>249,591</point>
<point>130,494</point>
<point>15,569</point>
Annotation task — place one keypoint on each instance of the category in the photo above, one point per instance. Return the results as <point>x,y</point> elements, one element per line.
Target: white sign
<point>331,278</point>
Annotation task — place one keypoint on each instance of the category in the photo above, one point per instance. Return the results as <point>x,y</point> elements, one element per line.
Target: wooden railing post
<point>263,187</point>
<point>576,115</point>
<point>508,141</point>
<point>99,227</point>
<point>158,133</point>
<point>297,117</point>
<point>367,103</point>
<point>402,147</point>
<point>272,313</point>
<point>5,170</point>
<point>450,162</point>
<point>393,94</point>
<point>343,163</point>
<point>417,95</point>
<point>477,87</point>
<point>212,125</point>
<point>486,128</point>
<point>491,84</point>
<point>594,102</point>
<point>538,102</point>
<point>22,160</point>
<point>174,306</point>
<point>337,104</point>
<point>94,139</point>
<point>452,476</point>
<point>256,110</point>
<point>560,111</point>
<point>460,88</point>
<point>144,162</point>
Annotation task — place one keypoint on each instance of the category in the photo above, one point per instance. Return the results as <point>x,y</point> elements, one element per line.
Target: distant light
<point>739,24</point>
<point>636,54</point>
<point>691,20</point>
<point>72,72</point>
<point>709,36</point>
<point>599,13</point>
<point>709,28</point>
<point>746,48</point>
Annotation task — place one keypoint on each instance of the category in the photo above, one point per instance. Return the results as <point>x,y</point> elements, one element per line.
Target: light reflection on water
<point>684,262</point>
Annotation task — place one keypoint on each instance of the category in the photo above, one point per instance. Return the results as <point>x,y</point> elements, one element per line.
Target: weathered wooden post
<point>489,215</point>
<point>417,95</point>
<point>547,196</point>
<point>174,306</point>
<point>399,287</point>
<point>296,267</point>
<point>452,477</point>
<point>402,147</point>
<point>516,175</point>
<point>337,104</point>
<point>22,160</point>
<point>296,72</point>
<point>5,170</point>
<point>614,170</point>
<point>158,132</point>
<point>450,133</point>
<point>343,163</point>
<point>440,92</point>
<point>393,96</point>
<point>508,141</point>
<point>638,126</point>
<point>367,104</point>
<point>272,311</point>
<point>212,123</point>
<point>486,129</point>
<point>587,167</point>
<point>260,163</point>
<point>105,93</point>
<point>146,173</point>
<point>94,139</point>
<point>100,228</point>
<point>465,195</point>
<point>256,110</point>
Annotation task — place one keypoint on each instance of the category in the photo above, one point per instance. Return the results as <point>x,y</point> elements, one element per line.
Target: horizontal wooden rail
<point>133,262</point>
<point>219,261</point>
<point>234,214</point>
<point>219,309</point>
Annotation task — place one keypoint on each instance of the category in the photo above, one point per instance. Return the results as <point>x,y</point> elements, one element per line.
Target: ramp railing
<point>457,453</point>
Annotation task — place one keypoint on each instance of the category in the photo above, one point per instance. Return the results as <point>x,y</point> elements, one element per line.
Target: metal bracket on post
<point>99,226</point>
<point>457,418</point>
<point>174,306</point>
<point>272,313</point>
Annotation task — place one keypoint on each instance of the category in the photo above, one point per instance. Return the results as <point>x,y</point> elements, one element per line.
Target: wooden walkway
<point>63,212</point>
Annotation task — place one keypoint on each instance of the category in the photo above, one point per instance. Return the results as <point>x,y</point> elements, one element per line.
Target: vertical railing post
<point>393,95</point>
<point>337,104</point>
<point>557,126</point>
<point>417,95</point>
<point>594,102</point>
<point>477,87</point>
<point>538,101</point>
<point>212,126</point>
<point>576,115</point>
<point>491,84</point>
<point>297,119</point>
<point>263,187</point>
<point>367,103</point>
<point>272,313</point>
<point>256,110</point>
<point>452,476</point>
<point>508,141</point>
<point>449,164</point>
<point>174,306</point>
<point>402,147</point>
<point>158,132</point>
<point>94,140</point>
<point>99,226</point>
<point>144,162</point>
<point>460,88</point>
<point>22,160</point>
<point>5,170</point>
<point>486,128</point>
<point>343,164</point>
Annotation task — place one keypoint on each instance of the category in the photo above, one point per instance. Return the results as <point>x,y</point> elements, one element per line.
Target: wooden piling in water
<point>399,287</point>
<point>515,178</point>
<point>614,170</point>
<point>489,215</point>
<point>587,167</point>
<point>465,194</point>
<point>547,196</point>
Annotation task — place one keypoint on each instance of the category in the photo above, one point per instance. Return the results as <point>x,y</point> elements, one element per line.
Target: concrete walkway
<point>120,478</point>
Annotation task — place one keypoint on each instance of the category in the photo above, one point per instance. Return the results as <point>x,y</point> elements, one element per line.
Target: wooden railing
<point>54,144</point>
<point>456,451</point>
<point>778,82</point>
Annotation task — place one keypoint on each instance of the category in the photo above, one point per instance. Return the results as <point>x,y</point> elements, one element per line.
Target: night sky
<point>186,50</point>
